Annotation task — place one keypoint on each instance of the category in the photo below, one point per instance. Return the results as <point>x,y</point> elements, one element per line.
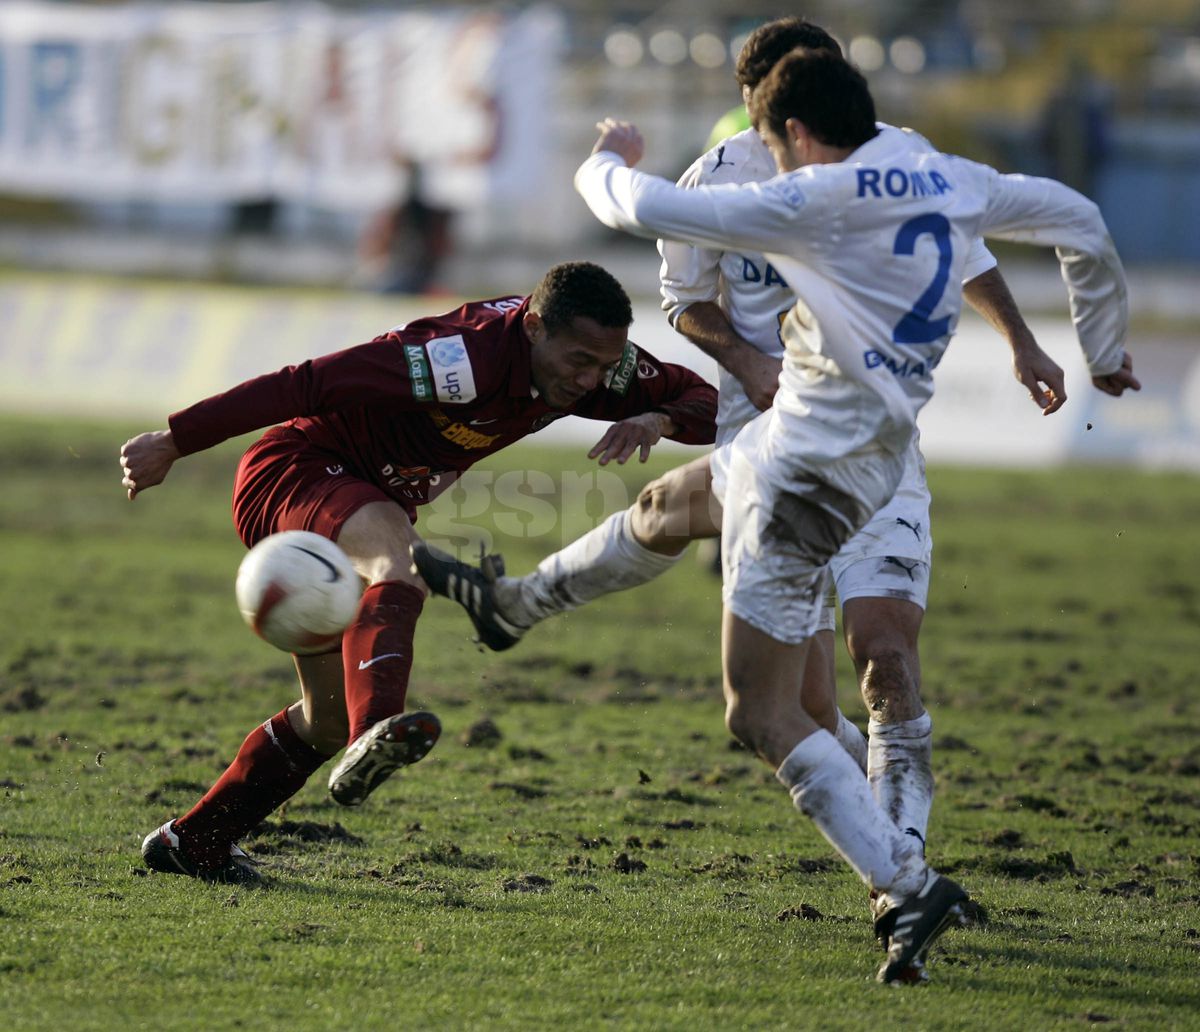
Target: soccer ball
<point>298,591</point>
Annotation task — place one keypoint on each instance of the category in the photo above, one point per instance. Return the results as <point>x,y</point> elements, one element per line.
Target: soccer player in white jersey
<point>871,229</point>
<point>731,304</point>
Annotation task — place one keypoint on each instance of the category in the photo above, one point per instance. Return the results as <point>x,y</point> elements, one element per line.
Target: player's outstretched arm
<point>989,295</point>
<point>146,460</point>
<point>621,138</point>
<point>637,433</point>
<point>705,324</point>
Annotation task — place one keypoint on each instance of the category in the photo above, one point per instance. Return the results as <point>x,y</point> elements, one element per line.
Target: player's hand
<point>637,433</point>
<point>146,460</point>
<point>1041,375</point>
<point>1117,383</point>
<point>759,376</point>
<point>621,138</point>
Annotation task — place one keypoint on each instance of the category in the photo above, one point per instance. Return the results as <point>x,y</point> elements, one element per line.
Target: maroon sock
<point>271,766</point>
<point>377,650</point>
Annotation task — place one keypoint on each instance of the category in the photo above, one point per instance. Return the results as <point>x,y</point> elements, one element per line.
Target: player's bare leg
<point>319,717</point>
<point>630,548</point>
<point>881,635</point>
<point>377,655</point>
<point>818,696</point>
<point>763,712</point>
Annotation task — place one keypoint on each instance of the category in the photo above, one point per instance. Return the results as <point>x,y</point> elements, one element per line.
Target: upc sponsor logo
<point>453,377</point>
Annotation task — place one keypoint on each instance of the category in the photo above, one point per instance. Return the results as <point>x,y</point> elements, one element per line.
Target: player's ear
<point>534,328</point>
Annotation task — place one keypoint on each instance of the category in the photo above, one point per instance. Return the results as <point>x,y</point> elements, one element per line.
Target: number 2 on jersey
<point>916,326</point>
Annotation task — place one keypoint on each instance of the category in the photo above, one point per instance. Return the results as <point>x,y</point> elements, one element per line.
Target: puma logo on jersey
<point>721,159</point>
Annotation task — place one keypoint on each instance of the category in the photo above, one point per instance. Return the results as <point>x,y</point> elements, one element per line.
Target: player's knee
<point>654,520</point>
<point>889,678</point>
<point>742,721</point>
<point>394,568</point>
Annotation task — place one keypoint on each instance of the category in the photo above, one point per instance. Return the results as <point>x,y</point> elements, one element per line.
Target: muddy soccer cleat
<point>472,588</point>
<point>395,742</point>
<point>161,852</point>
<point>909,928</point>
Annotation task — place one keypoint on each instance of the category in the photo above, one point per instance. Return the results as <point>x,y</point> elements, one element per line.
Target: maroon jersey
<point>436,396</point>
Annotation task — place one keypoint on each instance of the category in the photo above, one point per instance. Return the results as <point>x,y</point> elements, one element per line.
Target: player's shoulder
<point>906,137</point>
<point>463,354</point>
<point>740,158</point>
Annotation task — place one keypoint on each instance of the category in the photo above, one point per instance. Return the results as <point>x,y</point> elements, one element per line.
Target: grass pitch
<point>584,849</point>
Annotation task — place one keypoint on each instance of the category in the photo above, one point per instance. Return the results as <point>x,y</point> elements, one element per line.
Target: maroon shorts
<point>285,483</point>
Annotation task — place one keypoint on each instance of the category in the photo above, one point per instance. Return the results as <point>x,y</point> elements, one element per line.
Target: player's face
<point>572,361</point>
<point>783,148</point>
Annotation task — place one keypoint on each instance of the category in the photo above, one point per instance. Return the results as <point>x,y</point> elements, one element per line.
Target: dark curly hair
<point>818,88</point>
<point>769,42</point>
<point>575,289</point>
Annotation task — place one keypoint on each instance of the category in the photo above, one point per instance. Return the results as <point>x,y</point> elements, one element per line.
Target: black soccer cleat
<point>911,927</point>
<point>394,742</point>
<point>161,852</point>
<point>472,588</point>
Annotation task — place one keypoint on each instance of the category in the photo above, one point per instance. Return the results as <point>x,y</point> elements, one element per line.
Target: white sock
<point>605,559</point>
<point>852,740</point>
<point>828,787</point>
<point>900,769</point>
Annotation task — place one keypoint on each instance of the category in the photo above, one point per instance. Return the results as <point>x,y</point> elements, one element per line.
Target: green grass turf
<point>502,885</point>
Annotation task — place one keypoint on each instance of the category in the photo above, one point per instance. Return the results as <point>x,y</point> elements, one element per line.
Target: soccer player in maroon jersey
<point>369,434</point>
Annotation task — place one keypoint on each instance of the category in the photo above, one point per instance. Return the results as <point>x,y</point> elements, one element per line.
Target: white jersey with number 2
<point>750,290</point>
<point>875,248</point>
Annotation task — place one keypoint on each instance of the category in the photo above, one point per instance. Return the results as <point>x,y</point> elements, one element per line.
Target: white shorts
<point>889,558</point>
<point>783,524</point>
<point>887,576</point>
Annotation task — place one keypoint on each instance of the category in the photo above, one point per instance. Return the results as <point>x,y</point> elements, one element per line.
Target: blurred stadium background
<point>193,193</point>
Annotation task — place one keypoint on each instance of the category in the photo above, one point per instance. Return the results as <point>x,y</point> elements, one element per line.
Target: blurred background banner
<point>191,102</point>
<point>195,192</point>
<point>102,347</point>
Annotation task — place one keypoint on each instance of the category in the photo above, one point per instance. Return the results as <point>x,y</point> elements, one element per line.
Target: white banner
<point>226,102</point>
<point>124,348</point>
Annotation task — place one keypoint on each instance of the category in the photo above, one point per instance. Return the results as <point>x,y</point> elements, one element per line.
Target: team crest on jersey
<point>789,192</point>
<point>618,379</point>
<point>646,371</point>
<point>453,378</point>
<point>544,421</point>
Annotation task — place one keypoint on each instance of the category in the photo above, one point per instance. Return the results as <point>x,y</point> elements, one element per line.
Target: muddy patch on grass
<point>729,865</point>
<point>272,837</point>
<point>1036,803</point>
<point>26,699</point>
<point>527,883</point>
<point>483,734</point>
<point>1021,868</point>
<point>1006,838</point>
<point>623,863</point>
<point>446,854</point>
<point>519,789</point>
<point>804,912</point>
<point>684,824</point>
<point>175,790</point>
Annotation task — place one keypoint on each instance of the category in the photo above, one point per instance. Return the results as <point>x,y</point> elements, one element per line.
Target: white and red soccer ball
<point>298,591</point>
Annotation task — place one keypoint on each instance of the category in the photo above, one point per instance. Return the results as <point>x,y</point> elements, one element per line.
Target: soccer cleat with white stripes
<point>910,927</point>
<point>395,742</point>
<point>473,589</point>
<point>161,852</point>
